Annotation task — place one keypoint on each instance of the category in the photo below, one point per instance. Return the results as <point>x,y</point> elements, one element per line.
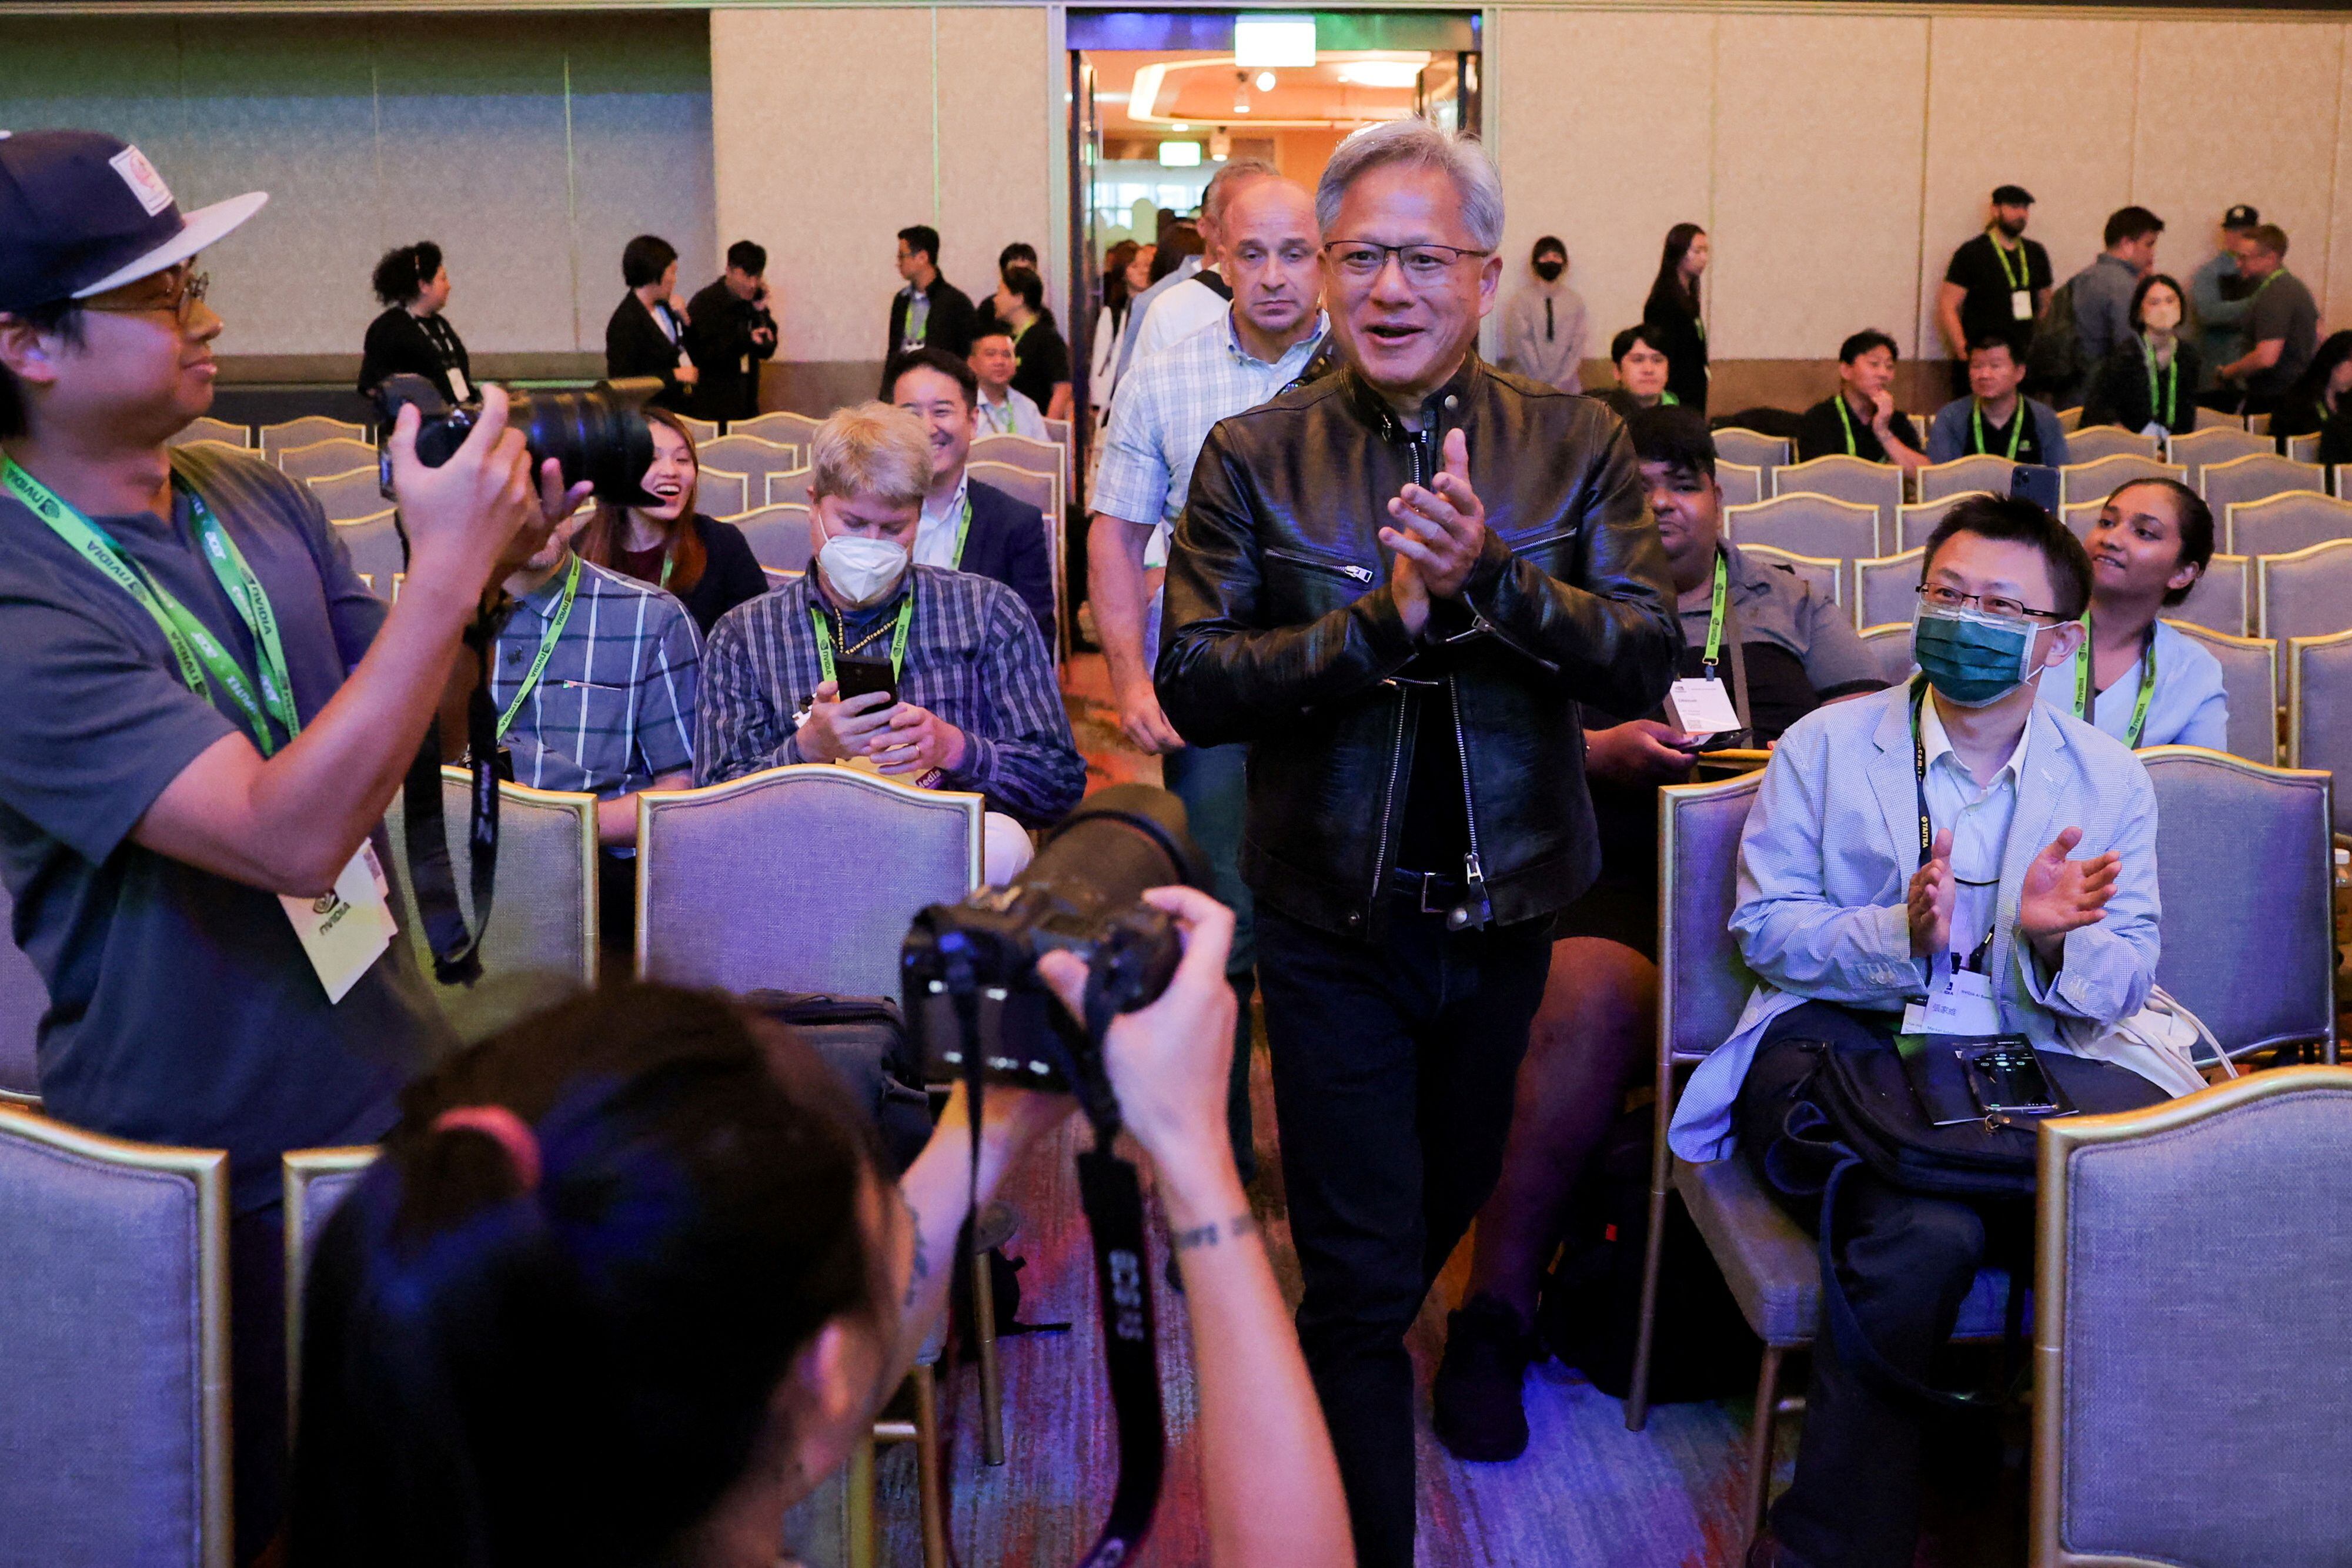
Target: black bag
<point>865,1040</point>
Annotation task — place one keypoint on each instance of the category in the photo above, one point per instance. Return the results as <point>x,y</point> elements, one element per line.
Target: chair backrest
<point>2280,524</point>
<point>784,429</point>
<point>2254,477</point>
<point>1042,491</point>
<point>24,997</point>
<point>2202,449</point>
<point>1890,643</point>
<point>1887,589</point>
<point>2260,423</point>
<point>1914,523</point>
<point>214,430</point>
<point>1826,575</point>
<point>702,430</point>
<point>1019,452</point>
<point>324,459</point>
<point>541,944</point>
<point>748,455</point>
<point>719,494</point>
<point>1806,523</point>
<point>709,913</point>
<point>348,497</point>
<point>1978,471</point>
<point>2319,711</point>
<point>778,535</point>
<point>1878,485</point>
<point>1703,982</point>
<point>114,1346</point>
<point>1752,448</point>
<point>309,428</point>
<point>2070,420</point>
<point>2081,517</point>
<point>1743,484</point>
<point>2243,868</point>
<point>376,553</point>
<point>2306,593</point>
<point>2219,600</point>
<point>2214,419</point>
<point>2109,441</point>
<point>2097,480</point>
<point>316,1182</point>
<point>2143,1390</point>
<point>2250,679</point>
<point>790,487</point>
<point>2303,448</point>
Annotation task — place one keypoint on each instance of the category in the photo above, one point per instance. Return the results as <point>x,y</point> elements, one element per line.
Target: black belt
<point>1429,893</point>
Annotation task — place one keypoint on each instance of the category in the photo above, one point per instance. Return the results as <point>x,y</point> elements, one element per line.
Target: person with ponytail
<point>413,337</point>
<point>629,1280</point>
<point>707,564</point>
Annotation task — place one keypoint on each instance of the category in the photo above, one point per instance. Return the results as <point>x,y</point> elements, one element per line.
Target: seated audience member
<point>1860,420</point>
<point>2102,295</point>
<point>413,337</point>
<point>1041,359</point>
<point>629,1281</point>
<point>1782,647</point>
<point>593,677</point>
<point>973,702</point>
<point>1995,419</point>
<point>2281,332</point>
<point>2319,402</point>
<point>2142,682</point>
<point>2149,383</point>
<point>969,526</point>
<point>646,333</point>
<point>729,333</point>
<point>707,564</point>
<point>1640,355</point>
<point>999,407</point>
<point>2041,878</point>
<point>1544,326</point>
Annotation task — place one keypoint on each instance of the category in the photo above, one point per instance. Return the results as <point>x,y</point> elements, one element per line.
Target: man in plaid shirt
<point>974,704</point>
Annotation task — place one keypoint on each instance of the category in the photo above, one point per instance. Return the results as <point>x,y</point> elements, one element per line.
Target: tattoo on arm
<point>1212,1233</point>
<point>920,1266</point>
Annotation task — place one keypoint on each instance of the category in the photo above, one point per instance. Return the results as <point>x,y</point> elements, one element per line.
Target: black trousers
<point>1907,1262</point>
<point>1393,1063</point>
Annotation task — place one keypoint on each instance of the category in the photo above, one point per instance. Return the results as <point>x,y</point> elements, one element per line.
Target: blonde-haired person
<point>707,564</point>
<point>955,689</point>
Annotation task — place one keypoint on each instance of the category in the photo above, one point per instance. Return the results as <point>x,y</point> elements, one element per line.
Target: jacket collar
<point>1440,412</point>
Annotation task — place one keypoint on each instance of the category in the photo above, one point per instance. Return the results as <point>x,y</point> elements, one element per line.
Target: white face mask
<point>861,571</point>
<point>2161,315</point>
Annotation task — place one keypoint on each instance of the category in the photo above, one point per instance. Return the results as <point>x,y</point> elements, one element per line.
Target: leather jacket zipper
<point>1362,574</point>
<point>1388,799</point>
<point>1476,908</point>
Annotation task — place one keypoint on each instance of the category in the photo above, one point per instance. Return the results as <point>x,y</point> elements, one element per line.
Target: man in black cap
<point>208,716</point>
<point>2220,291</point>
<point>1996,285</point>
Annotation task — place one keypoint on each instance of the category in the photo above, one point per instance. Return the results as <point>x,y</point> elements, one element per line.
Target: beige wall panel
<point>1817,182</point>
<point>2199,150</point>
<point>813,160</point>
<point>2044,103</point>
<point>996,145</point>
<point>2335,296</point>
<point>1606,167</point>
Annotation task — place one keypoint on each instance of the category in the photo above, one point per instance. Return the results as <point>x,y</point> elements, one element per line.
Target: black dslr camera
<point>599,434</point>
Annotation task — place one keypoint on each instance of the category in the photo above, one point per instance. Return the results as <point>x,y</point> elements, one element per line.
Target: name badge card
<point>344,932</point>
<point>459,392</point>
<point>1963,1004</point>
<point>1701,707</point>
<point>2020,304</point>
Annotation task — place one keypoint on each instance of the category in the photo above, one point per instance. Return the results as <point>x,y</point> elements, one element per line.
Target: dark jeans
<point>1210,781</point>
<point>1907,1262</point>
<point>256,1352</point>
<point>1393,1062</point>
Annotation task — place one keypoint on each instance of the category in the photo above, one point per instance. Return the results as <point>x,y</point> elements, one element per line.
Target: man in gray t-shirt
<point>2282,326</point>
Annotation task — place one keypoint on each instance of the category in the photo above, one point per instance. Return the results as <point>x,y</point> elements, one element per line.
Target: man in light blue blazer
<point>1958,824</point>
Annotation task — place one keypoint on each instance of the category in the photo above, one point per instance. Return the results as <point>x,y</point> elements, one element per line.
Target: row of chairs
<point>2222,439</point>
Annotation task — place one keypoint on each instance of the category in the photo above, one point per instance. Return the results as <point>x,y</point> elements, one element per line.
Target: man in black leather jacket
<point>1396,583</point>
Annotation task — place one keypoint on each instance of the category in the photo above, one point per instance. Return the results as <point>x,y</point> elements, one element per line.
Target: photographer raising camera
<point>209,715</point>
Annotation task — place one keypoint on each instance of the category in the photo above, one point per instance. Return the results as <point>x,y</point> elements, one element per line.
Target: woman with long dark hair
<point>1126,273</point>
<point>2321,401</point>
<point>708,564</point>
<point>2149,380</point>
<point>1674,308</point>
<point>413,337</point>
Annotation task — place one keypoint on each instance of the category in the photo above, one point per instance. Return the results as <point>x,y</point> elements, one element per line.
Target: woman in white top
<point>1127,272</point>
<point>2142,682</point>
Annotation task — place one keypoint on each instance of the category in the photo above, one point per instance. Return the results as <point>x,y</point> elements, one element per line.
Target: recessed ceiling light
<point>1381,73</point>
<point>1265,82</point>
<point>1179,127</point>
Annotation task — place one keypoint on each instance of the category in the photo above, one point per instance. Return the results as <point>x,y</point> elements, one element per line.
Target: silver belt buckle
<point>1427,879</point>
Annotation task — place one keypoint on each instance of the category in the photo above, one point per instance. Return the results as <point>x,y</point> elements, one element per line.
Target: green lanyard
<point>2147,685</point>
<point>1714,616</point>
<point>2024,268</point>
<point>897,638</point>
<point>547,641</point>
<point>669,564</point>
<point>2162,412</point>
<point>2016,426</point>
<point>989,416</point>
<point>204,661</point>
<point>1846,420</point>
<point>1668,400</point>
<point>964,532</point>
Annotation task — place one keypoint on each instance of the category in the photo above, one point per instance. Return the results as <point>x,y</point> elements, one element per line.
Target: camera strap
<point>456,950</point>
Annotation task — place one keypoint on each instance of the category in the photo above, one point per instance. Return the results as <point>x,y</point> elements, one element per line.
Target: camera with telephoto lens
<point>1082,894</point>
<point>600,435</point>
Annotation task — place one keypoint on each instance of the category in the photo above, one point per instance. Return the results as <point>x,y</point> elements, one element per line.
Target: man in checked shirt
<point>973,703</point>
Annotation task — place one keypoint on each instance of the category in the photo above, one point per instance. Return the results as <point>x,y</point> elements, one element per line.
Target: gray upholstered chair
<point>791,487</point>
<point>2257,477</point>
<point>753,458</point>
<point>2243,870</point>
<point>309,428</point>
<point>2302,448</point>
<point>1042,491</point>
<point>2250,679</point>
<point>1890,646</point>
<point>22,1000</point>
<point>783,429</point>
<point>1737,444</point>
<point>2306,593</point>
<point>2081,516</point>
<point>2202,449</point>
<point>2219,601</point>
<point>2214,419</point>
<point>702,430</point>
<point>2095,480</point>
<point>800,879</point>
<point>1914,523</point>
<point>1887,589</point>
<point>2167,1426</point>
<point>376,552</point>
<point>1743,484</point>
<point>778,535</point>
<point>2281,524</point>
<point>2260,423</point>
<point>315,1182</point>
<point>542,940</point>
<point>2070,420</point>
<point>1810,524</point>
<point>324,459</point>
<point>719,494</point>
<point>2099,441</point>
<point>114,1341</point>
<point>219,431</point>
<point>346,497</point>
<point>1878,485</point>
<point>2319,711</point>
<point>1978,471</point>
<point>1827,575</point>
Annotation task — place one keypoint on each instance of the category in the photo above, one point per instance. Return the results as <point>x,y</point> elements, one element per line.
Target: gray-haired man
<point>1396,583</point>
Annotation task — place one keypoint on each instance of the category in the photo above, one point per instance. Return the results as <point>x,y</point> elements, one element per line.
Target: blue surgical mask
<point>1971,658</point>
